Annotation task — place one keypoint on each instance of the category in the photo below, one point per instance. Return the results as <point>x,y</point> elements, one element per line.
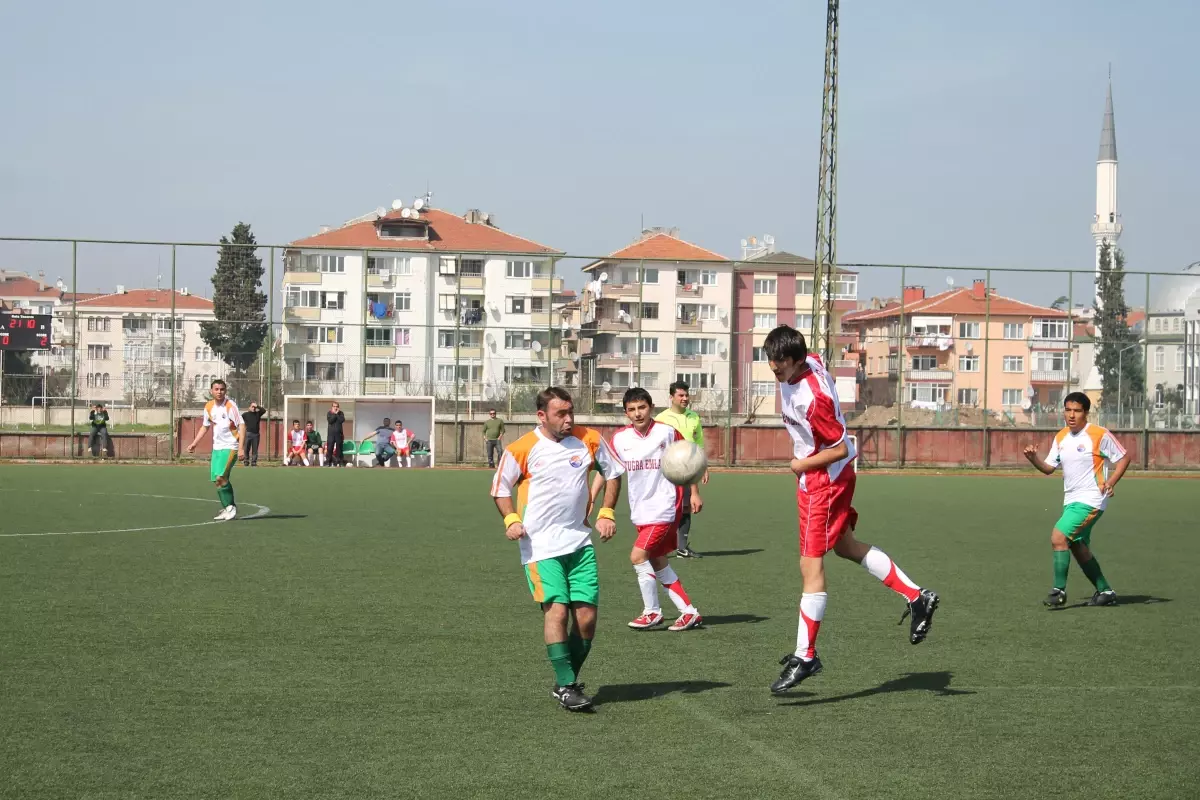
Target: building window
<point>762,388</point>
<point>804,322</point>
<point>707,312</point>
<point>324,334</point>
<point>324,371</point>
<point>516,305</point>
<point>924,362</point>
<point>1014,363</point>
<point>694,347</point>
<point>1160,358</point>
<point>389,265</point>
<point>379,337</point>
<point>302,298</point>
<point>759,355</point>
<point>698,380</point>
<point>445,338</point>
<point>401,373</point>
<point>537,305</point>
<point>403,337</point>
<point>333,300</point>
<point>135,325</point>
<point>764,322</point>
<point>403,301</point>
<point>1010,397</point>
<point>968,330</point>
<point>927,393</point>
<point>519,269</point>
<point>99,352</point>
<point>845,287</point>
<point>649,345</point>
<point>472,268</point>
<point>165,326</point>
<point>1014,330</point>
<point>649,310</point>
<point>1055,329</point>
<point>375,371</point>
<point>968,364</point>
<point>320,263</point>
<point>1175,325</point>
<point>765,286</point>
<point>968,397</point>
<point>447,265</point>
<point>1179,356</point>
<point>1157,324</point>
<point>1051,362</point>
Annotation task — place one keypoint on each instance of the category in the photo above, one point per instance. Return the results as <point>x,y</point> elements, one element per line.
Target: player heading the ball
<point>824,498</point>
<point>541,491</point>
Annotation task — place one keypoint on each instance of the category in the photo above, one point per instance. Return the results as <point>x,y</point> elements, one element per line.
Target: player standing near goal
<point>825,494</point>
<point>1085,452</point>
<point>228,433</point>
<point>655,505</point>
<point>547,470</point>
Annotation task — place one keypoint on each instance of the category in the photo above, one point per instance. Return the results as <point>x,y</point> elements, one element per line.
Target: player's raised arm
<point>1041,466</point>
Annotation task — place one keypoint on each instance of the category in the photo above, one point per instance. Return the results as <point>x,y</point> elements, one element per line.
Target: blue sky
<point>968,131</point>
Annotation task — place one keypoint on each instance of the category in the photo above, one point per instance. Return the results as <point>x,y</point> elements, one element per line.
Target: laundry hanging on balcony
<point>379,310</point>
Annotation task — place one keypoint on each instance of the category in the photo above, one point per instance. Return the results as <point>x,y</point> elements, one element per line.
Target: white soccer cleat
<point>221,515</point>
<point>230,513</point>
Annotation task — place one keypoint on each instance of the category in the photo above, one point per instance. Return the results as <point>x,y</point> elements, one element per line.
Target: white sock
<point>305,460</point>
<point>812,611</point>
<point>884,569</point>
<point>649,587</point>
<point>675,591</point>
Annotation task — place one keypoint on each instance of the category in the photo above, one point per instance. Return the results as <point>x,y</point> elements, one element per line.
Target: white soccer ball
<point>684,463</point>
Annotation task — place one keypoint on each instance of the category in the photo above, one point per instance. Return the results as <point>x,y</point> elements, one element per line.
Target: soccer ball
<point>684,463</point>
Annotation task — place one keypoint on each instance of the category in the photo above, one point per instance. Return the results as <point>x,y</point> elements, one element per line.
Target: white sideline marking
<point>262,512</point>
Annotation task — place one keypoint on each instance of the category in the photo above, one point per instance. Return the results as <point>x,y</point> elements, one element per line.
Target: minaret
<point>1106,226</point>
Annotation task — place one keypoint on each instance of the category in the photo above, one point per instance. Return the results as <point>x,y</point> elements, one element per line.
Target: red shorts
<point>658,539</point>
<point>825,514</point>
<point>404,452</point>
<point>298,451</point>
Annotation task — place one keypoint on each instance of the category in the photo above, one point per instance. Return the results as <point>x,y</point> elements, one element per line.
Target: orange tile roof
<point>663,246</point>
<point>961,301</point>
<point>27,287</point>
<point>447,233</point>
<point>144,299</point>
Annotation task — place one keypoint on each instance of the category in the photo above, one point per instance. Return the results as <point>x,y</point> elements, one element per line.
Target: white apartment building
<point>656,312</point>
<point>123,346</point>
<point>418,300</point>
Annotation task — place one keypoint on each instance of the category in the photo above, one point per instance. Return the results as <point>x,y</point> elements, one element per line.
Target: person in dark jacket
<point>334,438</point>
<point>253,419</point>
<point>98,440</point>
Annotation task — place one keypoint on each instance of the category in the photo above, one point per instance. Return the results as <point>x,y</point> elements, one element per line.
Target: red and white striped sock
<point>675,591</point>
<point>878,564</point>
<point>648,587</point>
<point>812,611</point>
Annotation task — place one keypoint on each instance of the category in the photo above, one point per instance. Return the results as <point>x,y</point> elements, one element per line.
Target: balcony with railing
<point>688,290</point>
<point>942,375</point>
<point>1039,343</point>
<point>615,360</point>
<point>931,341</point>
<point>1059,376</point>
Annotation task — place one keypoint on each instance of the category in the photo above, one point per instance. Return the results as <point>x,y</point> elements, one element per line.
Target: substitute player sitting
<point>825,495</point>
<point>296,439</point>
<point>547,471</point>
<point>1086,453</point>
<point>656,507</point>
<point>402,439</point>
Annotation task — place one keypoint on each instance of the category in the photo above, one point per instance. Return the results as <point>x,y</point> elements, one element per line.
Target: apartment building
<point>123,345</point>
<point>655,312</point>
<point>776,288</point>
<point>416,300</point>
<point>939,343</point>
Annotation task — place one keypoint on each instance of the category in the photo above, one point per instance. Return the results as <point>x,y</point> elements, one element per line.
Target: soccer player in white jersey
<point>1086,453</point>
<point>825,494</point>
<point>402,439</point>
<point>229,435</point>
<point>656,507</point>
<point>541,491</point>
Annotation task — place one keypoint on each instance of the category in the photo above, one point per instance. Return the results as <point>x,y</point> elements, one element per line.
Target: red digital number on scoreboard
<point>29,323</point>
<point>4,339</point>
<point>43,341</point>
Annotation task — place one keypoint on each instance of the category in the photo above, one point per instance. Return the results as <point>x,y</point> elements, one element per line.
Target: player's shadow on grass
<point>733,619</point>
<point>936,682</point>
<point>632,692</point>
<point>719,553</point>
<point>274,516</point>
<point>1123,600</point>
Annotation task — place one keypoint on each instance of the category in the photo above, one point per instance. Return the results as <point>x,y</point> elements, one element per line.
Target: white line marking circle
<point>262,512</point>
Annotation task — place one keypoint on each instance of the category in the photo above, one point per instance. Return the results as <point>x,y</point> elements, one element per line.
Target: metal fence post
<point>733,359</point>
<point>75,328</point>
<point>1146,378</point>
<point>987,340</point>
<point>269,399</point>
<point>171,379</point>
<point>899,373</point>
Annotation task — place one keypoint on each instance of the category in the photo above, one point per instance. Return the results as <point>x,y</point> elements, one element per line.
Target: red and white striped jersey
<point>814,420</point>
<point>652,498</point>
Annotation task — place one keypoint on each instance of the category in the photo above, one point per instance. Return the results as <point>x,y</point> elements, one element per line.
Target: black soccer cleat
<point>571,697</point>
<point>795,669</point>
<point>1105,598</point>
<point>921,610</point>
<point>1056,599</point>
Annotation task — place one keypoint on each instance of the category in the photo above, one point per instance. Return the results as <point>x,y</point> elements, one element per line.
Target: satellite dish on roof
<point>606,387</point>
<point>768,239</point>
<point>949,280</point>
<point>1026,404</point>
<point>405,213</point>
<point>491,338</point>
<point>604,277</point>
<point>536,347</point>
<point>744,243</point>
<point>381,211</point>
<point>418,204</point>
<point>397,205</point>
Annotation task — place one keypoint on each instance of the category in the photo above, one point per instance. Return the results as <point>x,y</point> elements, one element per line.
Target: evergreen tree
<point>1118,354</point>
<point>240,327</point>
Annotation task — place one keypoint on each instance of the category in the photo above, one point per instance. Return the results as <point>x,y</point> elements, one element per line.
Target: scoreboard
<point>24,331</point>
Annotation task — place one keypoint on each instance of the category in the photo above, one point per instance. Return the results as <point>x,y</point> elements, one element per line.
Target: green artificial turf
<point>373,636</point>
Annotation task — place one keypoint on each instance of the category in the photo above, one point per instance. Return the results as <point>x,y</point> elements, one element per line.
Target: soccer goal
<point>854,461</point>
<point>365,413</point>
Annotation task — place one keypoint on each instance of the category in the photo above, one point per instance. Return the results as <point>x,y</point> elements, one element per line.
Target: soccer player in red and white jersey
<point>402,440</point>
<point>655,506</point>
<point>822,462</point>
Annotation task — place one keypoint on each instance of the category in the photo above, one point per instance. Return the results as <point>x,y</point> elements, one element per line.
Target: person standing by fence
<point>98,439</point>
<point>253,419</point>
<point>493,433</point>
<point>335,439</point>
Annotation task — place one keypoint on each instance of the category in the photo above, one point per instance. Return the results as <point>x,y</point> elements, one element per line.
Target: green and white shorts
<point>570,578</point>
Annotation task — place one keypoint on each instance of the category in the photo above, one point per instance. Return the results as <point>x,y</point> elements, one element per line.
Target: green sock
<point>559,654</point>
<point>1062,560</point>
<point>225,495</point>
<point>580,648</point>
<point>1092,570</point>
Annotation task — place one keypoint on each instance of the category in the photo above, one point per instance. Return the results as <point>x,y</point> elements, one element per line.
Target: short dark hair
<point>309,422</point>
<point>1079,397</point>
<point>677,385</point>
<point>635,394</point>
<point>785,342</point>
<point>295,422</point>
<point>218,380</point>
<point>552,393</point>
<point>398,422</point>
